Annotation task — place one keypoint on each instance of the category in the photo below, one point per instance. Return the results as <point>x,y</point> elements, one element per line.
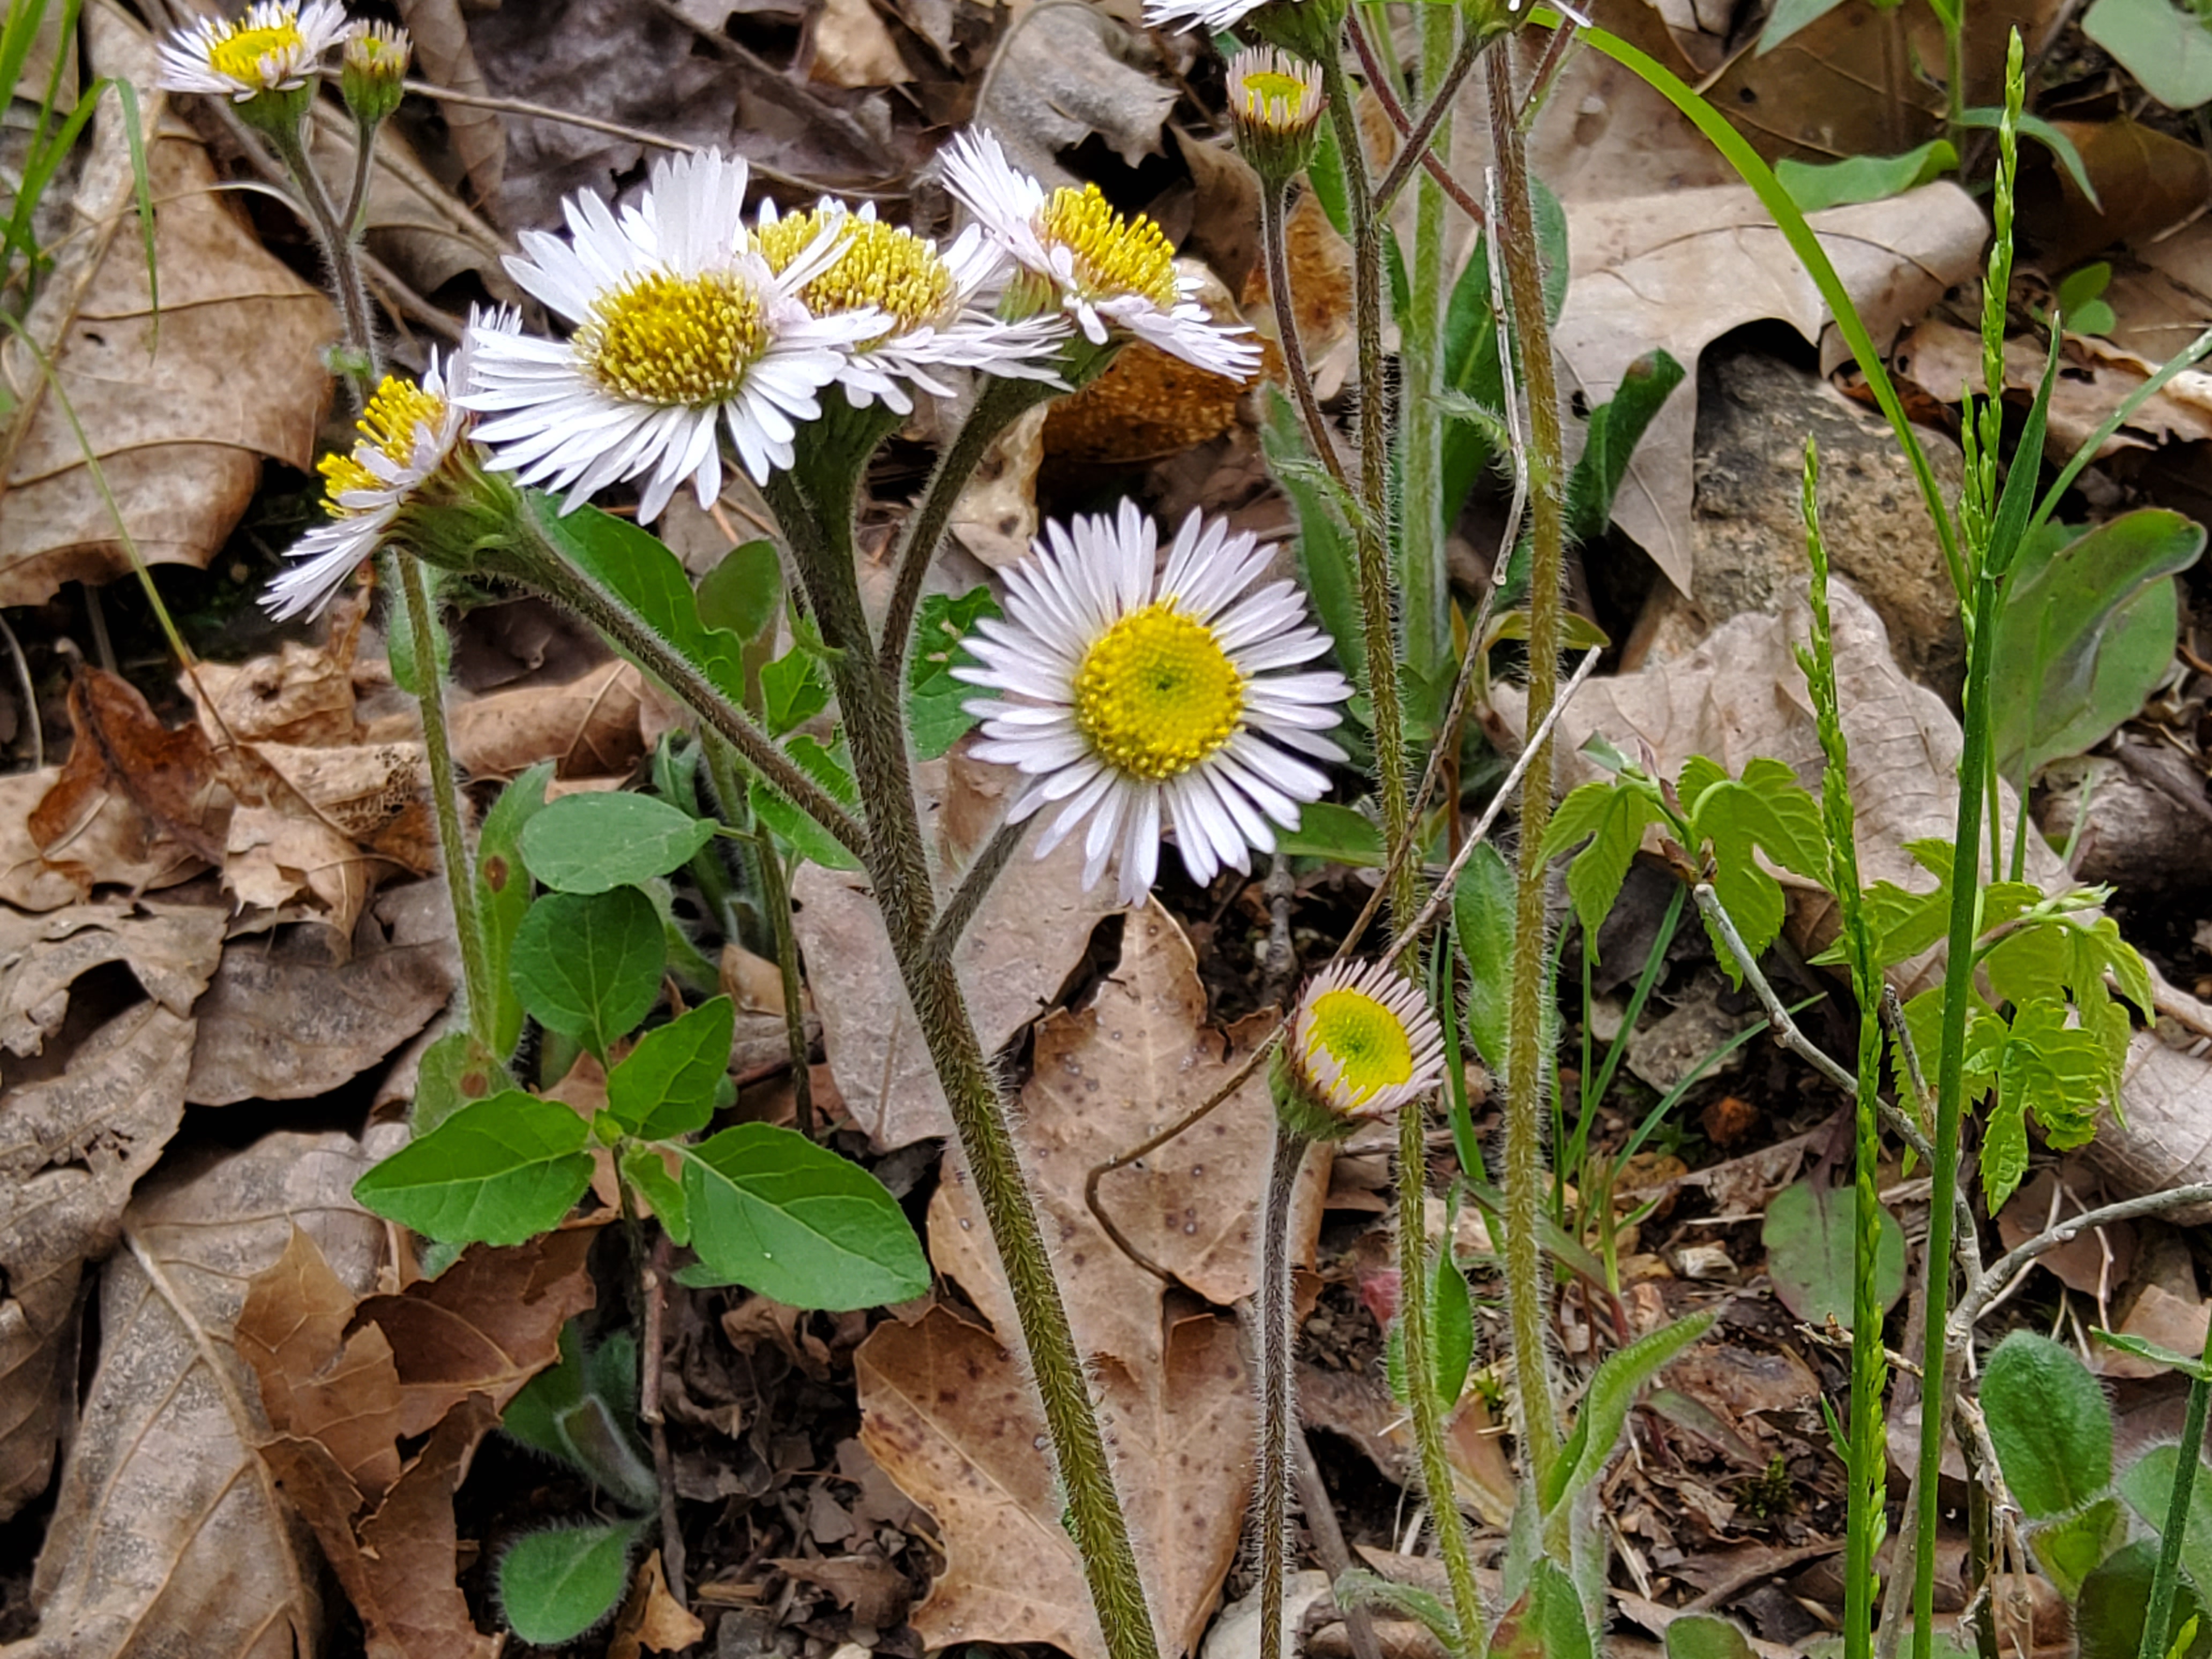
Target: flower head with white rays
<point>1077,255</point>
<point>412,453</point>
<point>928,298</point>
<point>1213,15</point>
<point>277,46</point>
<point>682,330</point>
<point>1145,700</point>
<point>1362,1043</point>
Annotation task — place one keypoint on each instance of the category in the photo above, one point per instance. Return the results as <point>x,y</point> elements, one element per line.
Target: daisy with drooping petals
<point>681,329</point>
<point>927,297</point>
<point>277,46</point>
<point>1362,1043</point>
<point>1213,16</point>
<point>412,434</point>
<point>1081,257</point>
<point>1146,701</point>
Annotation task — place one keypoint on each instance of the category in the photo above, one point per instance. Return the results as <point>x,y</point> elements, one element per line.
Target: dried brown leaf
<point>108,846</point>
<point>121,748</point>
<point>852,47</point>
<point>168,1536</point>
<point>443,55</point>
<point>180,413</point>
<point>301,693</point>
<point>652,1617</point>
<point>171,950</point>
<point>1056,82</point>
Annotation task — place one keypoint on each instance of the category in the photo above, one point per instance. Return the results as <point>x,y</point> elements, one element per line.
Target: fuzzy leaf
<point>503,891</point>
<point>1482,913</point>
<point>554,1586</point>
<point>1611,1391</point>
<point>2048,1419</point>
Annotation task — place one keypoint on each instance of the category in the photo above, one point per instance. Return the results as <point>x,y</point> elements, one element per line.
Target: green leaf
<point>1324,544</point>
<point>503,891</point>
<point>934,717</point>
<point>533,1416</point>
<point>589,965</point>
<point>1451,1328</point>
<point>554,1586</point>
<point>2108,1619</point>
<point>1334,833</point>
<point>2168,49</point>
<point>1767,810</point>
<point>1615,428</point>
<point>741,594</point>
<point>1613,1390</point>
<point>1811,1253</point>
<point>454,1070</point>
<point>2069,1550</point>
<point>774,1213</point>
<point>2034,126</point>
<point>591,843</point>
<point>1864,178</point>
<point>2147,1485</point>
<point>826,767</point>
<point>2157,1353</point>
<point>1789,17</point>
<point>644,1169</point>
<point>2049,1422</point>
<point>1470,347</point>
<point>500,1171</point>
<point>1706,1635</point>
<point>1612,816</point>
<point>2085,629</point>
<point>1483,916</point>
<point>793,690</point>
<point>668,1086</point>
<point>1547,1622</point>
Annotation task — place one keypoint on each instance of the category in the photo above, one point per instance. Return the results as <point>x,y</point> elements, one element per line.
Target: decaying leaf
<point>1056,82</point>
<point>596,725</point>
<point>1678,270</point>
<point>108,846</point>
<point>178,414</point>
<point>344,1381</point>
<point>301,694</point>
<point>651,1620</point>
<point>854,48</point>
<point>168,1536</point>
<point>120,749</point>
<point>953,1418</point>
<point>1029,933</point>
<point>170,949</point>
<point>71,1148</point>
<point>443,55</point>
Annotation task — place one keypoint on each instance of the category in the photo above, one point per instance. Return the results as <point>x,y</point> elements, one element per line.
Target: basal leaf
<point>773,1212</point>
<point>2048,1419</point>
<point>2108,1619</point>
<point>2147,1485</point>
<point>2167,48</point>
<point>500,1171</point>
<point>554,1586</point>
<point>1483,917</point>
<point>590,842</point>
<point>1810,1233</point>
<point>2069,1550</point>
<point>1706,1635</point>
<point>667,1085</point>
<point>1864,178</point>
<point>1612,1389</point>
<point>589,965</point>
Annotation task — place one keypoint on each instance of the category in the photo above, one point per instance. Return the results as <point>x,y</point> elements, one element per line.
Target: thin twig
<point>1274,245</point>
<point>30,694</point>
<point>1785,1029</point>
<point>1416,138</point>
<point>1973,1304</point>
<point>974,886</point>
<point>1378,83</point>
<point>1328,1541</point>
<point>652,1279</point>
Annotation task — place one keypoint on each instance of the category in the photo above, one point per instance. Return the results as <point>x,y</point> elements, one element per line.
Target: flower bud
<point>1274,105</point>
<point>1362,1044</point>
<point>372,70</point>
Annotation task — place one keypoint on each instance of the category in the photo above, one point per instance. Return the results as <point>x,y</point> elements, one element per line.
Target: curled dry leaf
<point>595,725</point>
<point>108,846</point>
<point>652,1619</point>
<point>180,415</point>
<point>71,1148</point>
<point>170,949</point>
<point>345,1381</point>
<point>168,1536</point>
<point>301,694</point>
<point>415,225</point>
<point>1741,693</point>
<point>1678,270</point>
<point>951,1416</point>
<point>1030,931</point>
<point>121,750</point>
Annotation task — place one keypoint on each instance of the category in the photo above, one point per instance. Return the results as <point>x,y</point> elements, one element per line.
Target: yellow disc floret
<point>1275,99</point>
<point>240,53</point>
<point>1157,694</point>
<point>877,264</point>
<point>1365,1039</point>
<point>387,427</point>
<point>681,342</point>
<point>1113,255</point>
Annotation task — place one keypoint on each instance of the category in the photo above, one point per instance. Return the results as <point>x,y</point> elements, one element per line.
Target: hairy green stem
<point>975,883</point>
<point>1445,76</point>
<point>1525,1069</point>
<point>2192,1451</point>
<point>1421,566</point>
<point>336,247</point>
<point>1276,1347</point>
<point>775,897</point>
<point>1274,247</point>
<point>816,514</point>
<point>364,167</point>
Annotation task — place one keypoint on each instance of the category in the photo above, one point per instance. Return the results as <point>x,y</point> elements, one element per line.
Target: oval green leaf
<point>591,843</point>
<point>773,1212</point>
<point>666,1085</point>
<point>2048,1419</point>
<point>554,1586</point>
<point>589,965</point>
<point>1812,1250</point>
<point>500,1171</point>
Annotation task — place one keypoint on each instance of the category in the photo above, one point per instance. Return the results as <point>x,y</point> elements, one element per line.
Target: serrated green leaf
<point>1810,1233</point>
<point>500,1171</point>
<point>1483,916</point>
<point>742,593</point>
<point>503,891</point>
<point>1336,832</point>
<point>589,965</point>
<point>773,1212</point>
<point>1767,809</point>
<point>794,690</point>
<point>1612,1389</point>
<point>554,1586</point>
<point>645,1169</point>
<point>2048,1419</point>
<point>594,841</point>
<point>1611,815</point>
<point>666,1085</point>
<point>935,719</point>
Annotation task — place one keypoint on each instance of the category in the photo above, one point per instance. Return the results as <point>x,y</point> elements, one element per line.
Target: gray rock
<point>1754,414</point>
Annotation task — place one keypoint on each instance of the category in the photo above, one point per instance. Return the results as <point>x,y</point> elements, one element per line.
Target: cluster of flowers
<point>1138,696</point>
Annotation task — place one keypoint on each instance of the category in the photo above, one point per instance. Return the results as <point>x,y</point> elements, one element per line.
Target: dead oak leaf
<point>951,1417</point>
<point>121,748</point>
<point>171,950</point>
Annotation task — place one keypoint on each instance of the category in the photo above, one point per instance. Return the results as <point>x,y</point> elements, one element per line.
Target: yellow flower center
<point>676,341</point>
<point>1273,99</point>
<point>1157,694</point>
<point>239,54</point>
<point>1365,1039</point>
<point>386,426</point>
<point>877,264</point>
<point>1113,255</point>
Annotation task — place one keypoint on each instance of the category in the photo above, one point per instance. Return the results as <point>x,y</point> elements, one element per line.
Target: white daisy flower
<point>1362,1043</point>
<point>1146,701</point>
<point>680,327</point>
<point>277,46</point>
<point>928,298</point>
<point>1104,272</point>
<point>1213,15</point>
<point>410,433</point>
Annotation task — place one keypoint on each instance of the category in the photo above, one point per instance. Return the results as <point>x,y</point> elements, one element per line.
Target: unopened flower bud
<point>1362,1044</point>
<point>374,68</point>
